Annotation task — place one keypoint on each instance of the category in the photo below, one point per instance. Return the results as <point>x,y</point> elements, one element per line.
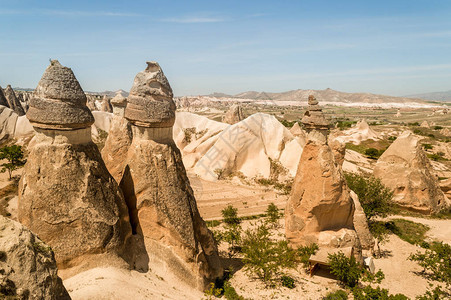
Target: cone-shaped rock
<point>405,168</point>
<point>320,209</point>
<point>3,100</point>
<point>59,101</point>
<point>157,190</point>
<point>150,102</point>
<point>234,115</point>
<point>118,103</point>
<point>106,105</point>
<point>13,101</point>
<point>28,265</point>
<point>66,195</point>
<point>313,117</point>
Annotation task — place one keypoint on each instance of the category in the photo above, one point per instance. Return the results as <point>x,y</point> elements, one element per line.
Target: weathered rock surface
<point>3,100</point>
<point>119,102</point>
<point>8,119</point>
<point>320,204</point>
<point>13,101</point>
<point>66,194</point>
<point>150,102</point>
<point>68,198</point>
<point>116,147</point>
<point>159,197</point>
<point>405,168</point>
<point>361,225</point>
<point>360,132</point>
<point>27,265</point>
<point>233,115</point>
<point>59,101</point>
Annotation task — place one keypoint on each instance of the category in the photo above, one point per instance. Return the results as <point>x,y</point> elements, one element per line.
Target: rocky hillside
<point>436,96</point>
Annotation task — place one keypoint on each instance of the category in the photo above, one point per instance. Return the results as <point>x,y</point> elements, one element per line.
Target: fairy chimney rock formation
<point>320,208</point>
<point>13,101</point>
<point>28,268</point>
<point>157,190</point>
<point>59,101</point>
<point>233,115</point>
<point>3,100</point>
<point>314,118</point>
<point>66,195</point>
<point>106,105</point>
<point>119,102</point>
<point>150,102</point>
<point>405,168</point>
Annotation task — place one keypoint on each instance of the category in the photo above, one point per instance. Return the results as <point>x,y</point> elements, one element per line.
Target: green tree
<point>347,270</point>
<point>230,215</point>
<point>14,156</point>
<point>265,257</point>
<point>372,152</point>
<point>232,232</point>
<point>375,198</point>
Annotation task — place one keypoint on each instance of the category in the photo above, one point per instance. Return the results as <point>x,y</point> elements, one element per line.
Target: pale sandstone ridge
<point>59,101</point>
<point>405,168</point>
<point>150,102</point>
<point>66,194</point>
<point>27,265</point>
<point>233,115</point>
<point>13,101</point>
<point>160,200</point>
<point>360,132</point>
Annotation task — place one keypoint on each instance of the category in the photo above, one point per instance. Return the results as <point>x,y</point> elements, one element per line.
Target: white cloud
<point>192,20</point>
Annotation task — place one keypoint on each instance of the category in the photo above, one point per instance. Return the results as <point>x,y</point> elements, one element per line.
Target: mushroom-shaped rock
<point>150,102</point>
<point>152,176</point>
<point>66,194</point>
<point>119,102</point>
<point>59,101</point>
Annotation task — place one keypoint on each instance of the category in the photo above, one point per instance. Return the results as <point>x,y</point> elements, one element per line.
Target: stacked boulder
<point>320,209</point>
<point>233,115</point>
<point>405,168</point>
<point>66,194</point>
<point>157,190</point>
<point>27,265</point>
<point>313,118</point>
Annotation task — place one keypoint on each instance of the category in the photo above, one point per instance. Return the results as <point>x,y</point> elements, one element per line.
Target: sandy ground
<point>212,197</point>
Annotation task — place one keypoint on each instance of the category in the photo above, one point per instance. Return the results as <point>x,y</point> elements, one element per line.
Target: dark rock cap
<point>59,101</point>
<point>150,102</point>
<point>119,100</point>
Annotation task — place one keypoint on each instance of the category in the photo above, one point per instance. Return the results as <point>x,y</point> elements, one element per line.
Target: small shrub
<point>372,153</point>
<point>213,223</point>
<point>212,292</point>
<point>392,138</point>
<point>438,127</point>
<point>436,293</point>
<point>230,215</point>
<point>436,261</point>
<point>230,292</point>
<point>347,270</point>
<point>272,215</point>
<point>188,134</point>
<point>305,252</point>
<point>427,146</point>
<point>337,295</point>
<point>287,282</point>
<point>370,293</point>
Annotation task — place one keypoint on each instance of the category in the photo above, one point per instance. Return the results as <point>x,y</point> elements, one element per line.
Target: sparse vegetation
<point>409,231</point>
<point>337,295</point>
<point>287,281</point>
<point>305,252</point>
<point>273,215</point>
<point>370,293</point>
<point>347,270</point>
<point>373,153</point>
<point>232,232</point>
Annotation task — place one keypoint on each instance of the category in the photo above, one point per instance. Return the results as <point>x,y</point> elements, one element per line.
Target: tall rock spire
<point>66,195</point>
<point>13,101</point>
<point>160,200</point>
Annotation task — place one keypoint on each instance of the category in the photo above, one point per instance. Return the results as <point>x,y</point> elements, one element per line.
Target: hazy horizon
<point>401,48</point>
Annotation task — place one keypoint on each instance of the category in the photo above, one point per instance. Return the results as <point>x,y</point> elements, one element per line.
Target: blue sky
<point>386,47</point>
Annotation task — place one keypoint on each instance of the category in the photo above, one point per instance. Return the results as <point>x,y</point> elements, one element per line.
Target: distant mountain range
<point>436,96</point>
<point>327,95</point>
